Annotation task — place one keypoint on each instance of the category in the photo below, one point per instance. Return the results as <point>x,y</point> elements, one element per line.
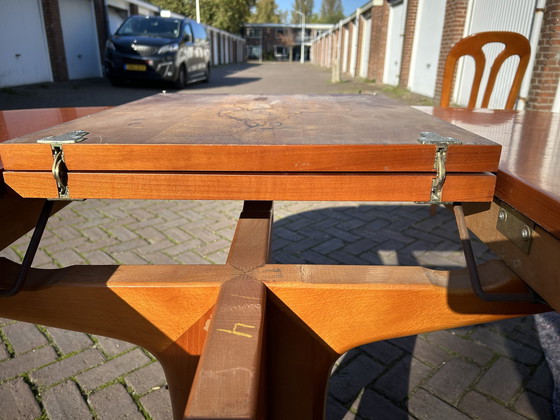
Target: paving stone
<point>542,382</point>
<point>65,402</point>
<point>336,411</point>
<point>68,257</point>
<point>507,347</point>
<point>481,407</point>
<point>534,406</point>
<point>383,351</point>
<point>504,379</point>
<point>113,369</point>
<point>346,383</point>
<point>450,381</point>
<point>158,404</point>
<point>402,378</point>
<point>428,353</point>
<point>113,347</point>
<point>24,337</point>
<point>17,401</point>
<point>114,402</point>
<point>27,362</point>
<point>425,405</point>
<point>374,405</point>
<point>3,352</point>
<point>145,379</point>
<point>68,367</point>
<point>468,349</point>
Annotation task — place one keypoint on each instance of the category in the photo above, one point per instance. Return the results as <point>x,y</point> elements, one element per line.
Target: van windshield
<point>151,26</point>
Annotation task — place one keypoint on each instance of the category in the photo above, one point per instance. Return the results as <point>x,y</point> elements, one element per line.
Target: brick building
<point>278,41</point>
<point>405,43</point>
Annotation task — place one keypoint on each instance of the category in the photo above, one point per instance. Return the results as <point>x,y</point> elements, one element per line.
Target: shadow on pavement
<point>414,375</point>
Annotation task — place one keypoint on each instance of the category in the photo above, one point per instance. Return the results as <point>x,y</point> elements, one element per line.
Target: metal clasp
<point>441,143</point>
<point>59,169</point>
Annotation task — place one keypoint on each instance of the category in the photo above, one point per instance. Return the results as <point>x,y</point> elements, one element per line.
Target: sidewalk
<point>489,371</point>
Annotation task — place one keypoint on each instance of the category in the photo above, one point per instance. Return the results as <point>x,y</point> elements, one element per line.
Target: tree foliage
<point>303,6</point>
<point>331,11</point>
<point>229,15</point>
<point>266,11</point>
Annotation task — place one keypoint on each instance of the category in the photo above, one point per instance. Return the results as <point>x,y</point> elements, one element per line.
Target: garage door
<point>395,37</point>
<point>426,47</point>
<point>80,39</point>
<point>24,53</point>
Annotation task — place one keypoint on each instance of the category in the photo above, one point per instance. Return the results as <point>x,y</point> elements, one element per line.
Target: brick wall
<point>411,12</point>
<point>455,16</point>
<point>546,73</point>
<point>55,41</point>
<point>101,23</point>
<point>379,22</point>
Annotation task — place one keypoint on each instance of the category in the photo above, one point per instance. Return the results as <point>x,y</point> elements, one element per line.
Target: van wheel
<point>207,75</point>
<point>181,80</point>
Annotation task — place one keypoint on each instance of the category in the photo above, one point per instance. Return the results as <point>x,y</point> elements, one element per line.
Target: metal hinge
<point>59,169</point>
<point>441,144</point>
<point>516,227</point>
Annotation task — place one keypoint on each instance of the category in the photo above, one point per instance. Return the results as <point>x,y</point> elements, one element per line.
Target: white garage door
<point>395,38</point>
<point>426,47</point>
<point>80,39</point>
<point>24,53</point>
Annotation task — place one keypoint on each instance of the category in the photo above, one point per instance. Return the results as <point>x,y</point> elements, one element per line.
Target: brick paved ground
<point>487,371</point>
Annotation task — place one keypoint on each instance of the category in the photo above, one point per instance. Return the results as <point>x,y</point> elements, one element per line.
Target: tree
<point>266,12</point>
<point>228,15</point>
<point>331,11</point>
<point>303,6</point>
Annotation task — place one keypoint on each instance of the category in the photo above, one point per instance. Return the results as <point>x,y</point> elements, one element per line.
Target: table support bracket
<point>31,251</point>
<point>531,297</point>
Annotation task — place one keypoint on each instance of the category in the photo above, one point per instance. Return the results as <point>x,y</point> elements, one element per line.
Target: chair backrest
<point>515,44</point>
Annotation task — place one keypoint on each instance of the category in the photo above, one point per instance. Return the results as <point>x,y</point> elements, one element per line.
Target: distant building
<point>280,41</point>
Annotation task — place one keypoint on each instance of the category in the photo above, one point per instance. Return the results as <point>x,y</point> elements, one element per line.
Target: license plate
<point>135,67</point>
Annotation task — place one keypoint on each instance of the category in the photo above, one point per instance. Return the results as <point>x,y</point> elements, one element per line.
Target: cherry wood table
<point>249,339</point>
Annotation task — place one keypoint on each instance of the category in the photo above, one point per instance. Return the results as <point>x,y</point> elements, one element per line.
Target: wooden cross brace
<point>249,339</point>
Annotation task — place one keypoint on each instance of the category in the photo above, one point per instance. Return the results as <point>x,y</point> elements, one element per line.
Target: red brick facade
<point>411,12</point>
<point>546,73</point>
<point>55,41</point>
<point>455,16</point>
<point>378,42</point>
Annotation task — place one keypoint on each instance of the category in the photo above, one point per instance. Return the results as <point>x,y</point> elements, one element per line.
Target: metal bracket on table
<point>531,297</point>
<point>31,251</point>
<point>59,169</point>
<point>441,144</point>
<point>516,227</point>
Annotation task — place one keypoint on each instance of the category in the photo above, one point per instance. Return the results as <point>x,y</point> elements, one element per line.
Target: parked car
<point>153,47</point>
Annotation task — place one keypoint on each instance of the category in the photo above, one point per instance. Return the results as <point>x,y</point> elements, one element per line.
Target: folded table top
<point>250,147</point>
<point>184,132</point>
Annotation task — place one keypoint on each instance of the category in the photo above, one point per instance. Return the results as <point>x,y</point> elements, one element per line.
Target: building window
<point>253,32</point>
<point>279,33</point>
<point>280,52</point>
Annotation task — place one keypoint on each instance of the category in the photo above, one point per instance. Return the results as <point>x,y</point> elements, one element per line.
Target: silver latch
<point>59,169</point>
<point>516,227</point>
<point>441,144</point>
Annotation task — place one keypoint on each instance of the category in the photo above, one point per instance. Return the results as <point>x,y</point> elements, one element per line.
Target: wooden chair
<point>515,44</point>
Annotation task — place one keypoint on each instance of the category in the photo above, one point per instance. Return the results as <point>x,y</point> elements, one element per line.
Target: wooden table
<point>249,339</point>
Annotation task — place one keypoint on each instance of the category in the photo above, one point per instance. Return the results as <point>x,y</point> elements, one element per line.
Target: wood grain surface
<point>197,132</point>
<point>473,187</point>
<point>529,172</point>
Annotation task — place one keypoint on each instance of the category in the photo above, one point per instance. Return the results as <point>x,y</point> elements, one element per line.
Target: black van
<point>153,47</point>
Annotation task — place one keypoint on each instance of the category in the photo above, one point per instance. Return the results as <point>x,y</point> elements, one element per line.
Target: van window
<point>199,32</point>
<point>187,31</point>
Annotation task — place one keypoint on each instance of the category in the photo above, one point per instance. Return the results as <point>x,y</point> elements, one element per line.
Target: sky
<point>349,6</point>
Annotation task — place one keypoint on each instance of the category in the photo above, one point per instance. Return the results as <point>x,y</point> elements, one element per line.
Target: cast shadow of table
<point>493,368</point>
